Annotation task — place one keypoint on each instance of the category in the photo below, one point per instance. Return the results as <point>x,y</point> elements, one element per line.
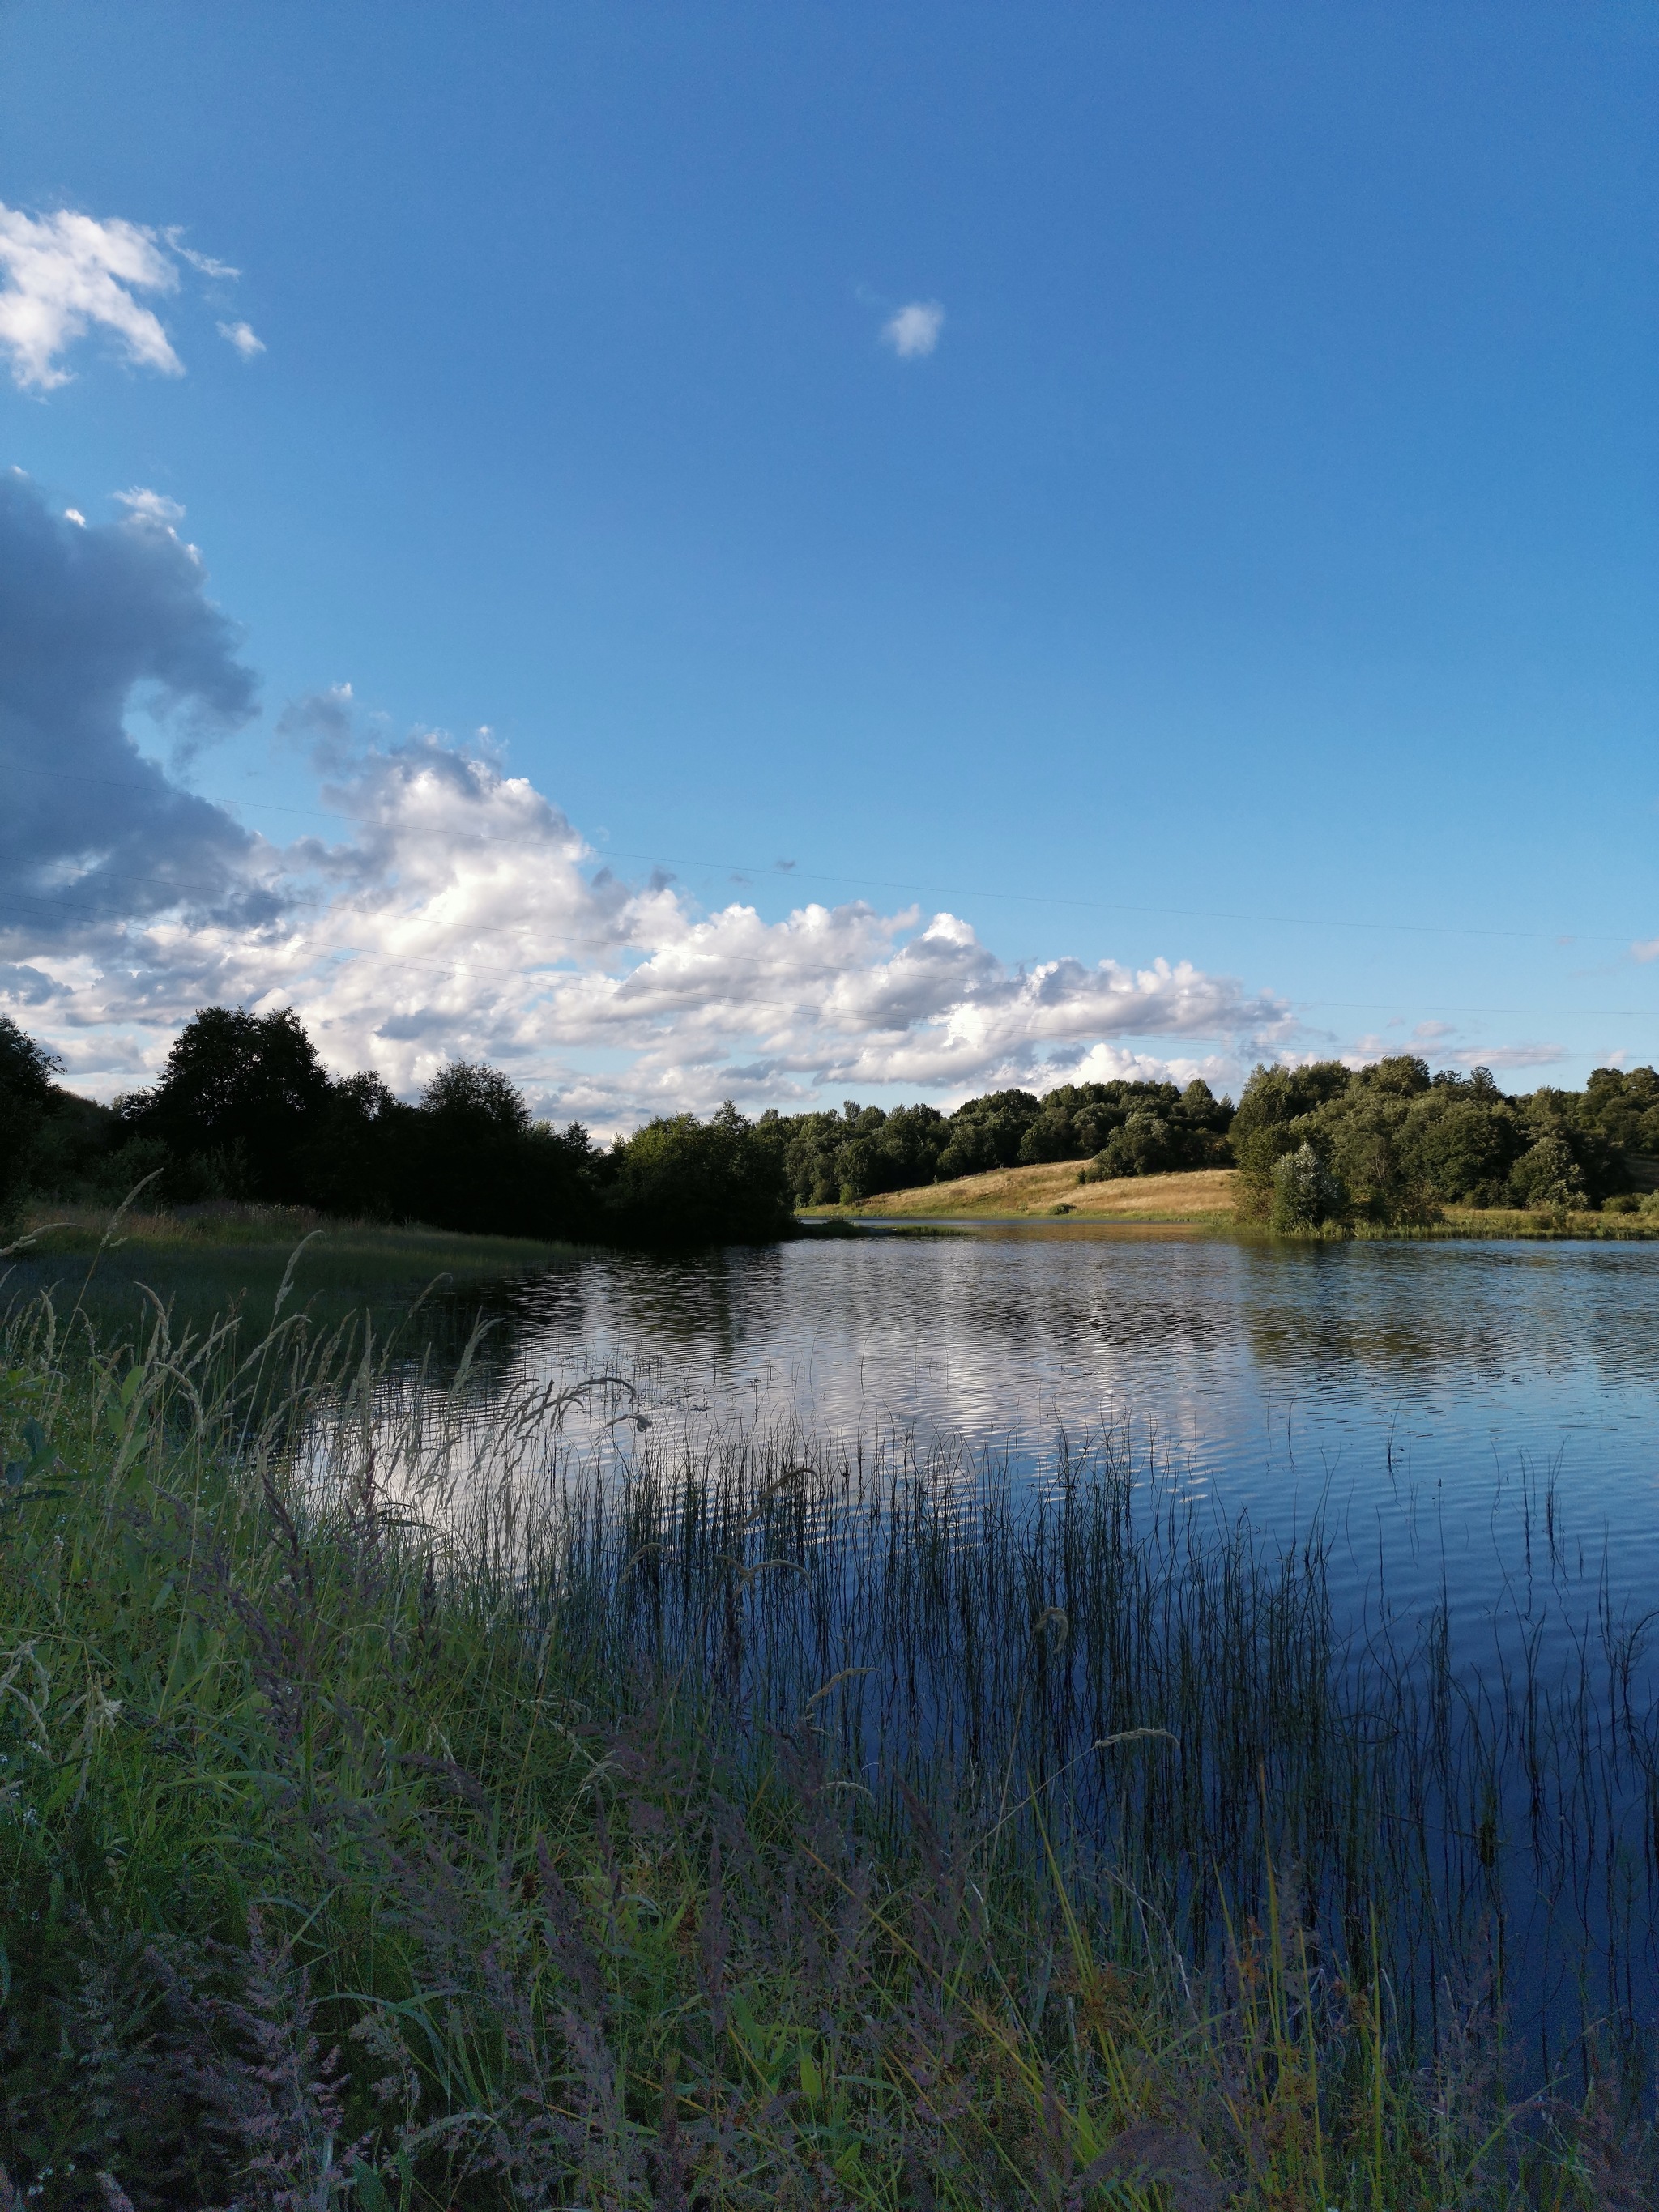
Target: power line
<point>752,869</point>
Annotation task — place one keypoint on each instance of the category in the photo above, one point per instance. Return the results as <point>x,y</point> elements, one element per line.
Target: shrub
<point>1548,1174</point>
<point>679,1181</point>
<point>1306,1194</point>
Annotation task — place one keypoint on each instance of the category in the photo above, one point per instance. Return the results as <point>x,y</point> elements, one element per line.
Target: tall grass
<point>411,1799</point>
<point>1094,1663</point>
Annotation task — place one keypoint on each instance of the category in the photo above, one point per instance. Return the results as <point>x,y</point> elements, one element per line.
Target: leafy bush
<point>1404,1143</point>
<point>681,1181</point>
<point>1306,1194</point>
<point>1546,1173</point>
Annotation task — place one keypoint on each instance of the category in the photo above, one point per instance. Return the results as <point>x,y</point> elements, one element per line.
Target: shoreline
<point>1579,1229</point>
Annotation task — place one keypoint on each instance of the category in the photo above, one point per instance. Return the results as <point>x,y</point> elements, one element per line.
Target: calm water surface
<point>1448,1407</point>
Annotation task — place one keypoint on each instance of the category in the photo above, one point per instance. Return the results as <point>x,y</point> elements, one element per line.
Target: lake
<point>1435,1400</point>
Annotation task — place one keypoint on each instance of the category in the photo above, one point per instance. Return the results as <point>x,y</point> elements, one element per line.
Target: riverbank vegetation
<point>406,1805</point>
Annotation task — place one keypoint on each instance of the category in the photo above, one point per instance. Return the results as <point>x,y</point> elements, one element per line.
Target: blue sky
<point>1255,572</point>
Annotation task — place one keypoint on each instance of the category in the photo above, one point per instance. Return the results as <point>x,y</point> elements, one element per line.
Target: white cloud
<point>66,274</point>
<point>1646,949</point>
<point>151,505</point>
<point>1110,1063</point>
<point>914,332</point>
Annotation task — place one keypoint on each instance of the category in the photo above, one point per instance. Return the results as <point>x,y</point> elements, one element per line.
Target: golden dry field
<point>1198,1194</point>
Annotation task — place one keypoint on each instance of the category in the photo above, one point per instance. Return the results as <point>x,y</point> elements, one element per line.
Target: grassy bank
<point>397,1813</point>
<point>209,1261</point>
<point>1469,1221</point>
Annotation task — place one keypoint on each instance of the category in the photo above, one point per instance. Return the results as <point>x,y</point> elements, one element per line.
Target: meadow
<point>1199,1195</point>
<point>478,1798</point>
<point>1203,1199</point>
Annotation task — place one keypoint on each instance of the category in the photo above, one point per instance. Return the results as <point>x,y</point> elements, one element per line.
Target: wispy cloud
<point>1520,1055</point>
<point>243,338</point>
<point>1645,949</point>
<point>68,274</point>
<point>149,506</point>
<point>1444,1043</point>
<point>914,332</point>
<point>203,264</point>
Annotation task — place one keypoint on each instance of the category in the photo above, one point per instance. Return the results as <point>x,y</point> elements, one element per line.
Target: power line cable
<point>758,869</point>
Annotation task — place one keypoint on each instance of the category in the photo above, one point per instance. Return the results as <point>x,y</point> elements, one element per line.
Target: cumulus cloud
<point>67,274</point>
<point>458,912</point>
<point>914,332</point>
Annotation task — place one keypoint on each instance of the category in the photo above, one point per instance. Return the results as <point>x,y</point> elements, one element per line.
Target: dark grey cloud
<point>322,726</point>
<point>27,985</point>
<point>91,618</point>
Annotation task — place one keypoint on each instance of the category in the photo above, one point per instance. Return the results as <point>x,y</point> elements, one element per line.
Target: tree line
<point>245,1110</point>
<point>1116,1128</point>
<point>1326,1144</point>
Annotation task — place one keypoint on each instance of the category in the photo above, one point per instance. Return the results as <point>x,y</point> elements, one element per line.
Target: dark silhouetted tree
<point>237,1104</point>
<point>25,1088</point>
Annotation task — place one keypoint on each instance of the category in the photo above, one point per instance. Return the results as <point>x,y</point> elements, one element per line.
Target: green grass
<point>1465,1223</point>
<point>204,1263</point>
<point>396,1813</point>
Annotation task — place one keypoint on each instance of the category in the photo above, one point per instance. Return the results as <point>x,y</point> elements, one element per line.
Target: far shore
<point>1200,1198</point>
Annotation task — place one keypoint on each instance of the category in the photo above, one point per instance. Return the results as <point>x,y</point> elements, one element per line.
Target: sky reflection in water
<point>1421,1392</point>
